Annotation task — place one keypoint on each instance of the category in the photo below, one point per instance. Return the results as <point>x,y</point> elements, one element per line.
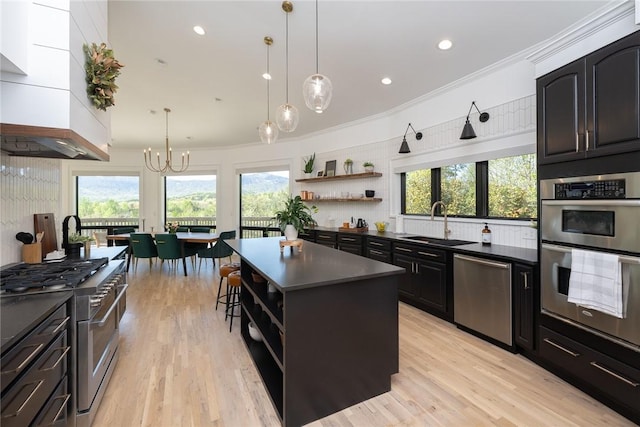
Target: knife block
<point>32,253</point>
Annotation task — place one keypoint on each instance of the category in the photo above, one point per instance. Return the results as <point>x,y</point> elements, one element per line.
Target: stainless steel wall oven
<point>597,213</point>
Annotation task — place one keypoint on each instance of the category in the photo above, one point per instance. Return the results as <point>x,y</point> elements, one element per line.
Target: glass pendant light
<point>317,88</point>
<point>268,130</point>
<point>287,116</point>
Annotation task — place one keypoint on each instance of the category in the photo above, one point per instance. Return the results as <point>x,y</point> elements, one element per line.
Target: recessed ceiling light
<point>445,44</point>
<point>161,61</point>
<point>266,76</point>
<point>199,30</point>
<point>386,81</point>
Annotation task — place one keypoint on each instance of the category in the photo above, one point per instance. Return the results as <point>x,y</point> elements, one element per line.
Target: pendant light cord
<point>268,119</point>
<point>287,56</point>
<point>317,66</point>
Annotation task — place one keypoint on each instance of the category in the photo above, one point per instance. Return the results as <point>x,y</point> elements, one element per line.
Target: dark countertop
<point>505,253</point>
<point>316,265</point>
<point>20,314</point>
<point>105,251</point>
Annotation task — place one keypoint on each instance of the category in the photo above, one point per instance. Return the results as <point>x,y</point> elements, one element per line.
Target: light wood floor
<point>180,366</point>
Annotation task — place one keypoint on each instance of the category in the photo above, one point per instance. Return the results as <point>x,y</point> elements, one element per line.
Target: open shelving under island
<point>329,330</point>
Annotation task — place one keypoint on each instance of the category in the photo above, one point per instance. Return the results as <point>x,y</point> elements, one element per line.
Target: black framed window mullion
<point>403,193</point>
<point>436,188</point>
<point>482,189</point>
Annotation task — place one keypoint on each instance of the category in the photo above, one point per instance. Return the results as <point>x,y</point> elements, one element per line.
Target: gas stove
<point>49,276</point>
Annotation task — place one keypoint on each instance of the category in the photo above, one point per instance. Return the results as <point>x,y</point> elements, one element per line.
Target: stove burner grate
<point>33,277</point>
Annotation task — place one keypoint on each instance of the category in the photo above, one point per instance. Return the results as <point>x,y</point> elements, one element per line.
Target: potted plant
<point>309,163</point>
<point>348,166</point>
<point>295,217</point>
<point>368,166</point>
<point>75,241</point>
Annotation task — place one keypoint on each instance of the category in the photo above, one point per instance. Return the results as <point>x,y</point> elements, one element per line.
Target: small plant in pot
<point>295,217</point>
<point>368,166</point>
<point>309,163</point>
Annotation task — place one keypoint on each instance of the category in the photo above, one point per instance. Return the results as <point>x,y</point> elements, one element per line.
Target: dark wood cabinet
<point>524,287</point>
<point>425,283</point>
<point>609,380</point>
<point>378,249</point>
<point>591,107</point>
<point>326,238</point>
<point>350,242</point>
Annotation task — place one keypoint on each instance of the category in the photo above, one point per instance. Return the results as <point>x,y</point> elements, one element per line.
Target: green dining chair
<point>200,229</point>
<point>169,249</point>
<point>143,246</point>
<point>219,250</point>
<point>182,229</point>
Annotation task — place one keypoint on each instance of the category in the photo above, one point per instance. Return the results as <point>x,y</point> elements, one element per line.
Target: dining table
<point>183,238</point>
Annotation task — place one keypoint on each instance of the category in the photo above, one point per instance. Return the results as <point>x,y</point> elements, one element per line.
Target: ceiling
<point>213,83</point>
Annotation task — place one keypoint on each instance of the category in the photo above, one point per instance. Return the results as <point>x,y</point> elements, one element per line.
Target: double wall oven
<point>597,213</point>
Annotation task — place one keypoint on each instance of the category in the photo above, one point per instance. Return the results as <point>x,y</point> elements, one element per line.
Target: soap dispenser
<point>486,235</point>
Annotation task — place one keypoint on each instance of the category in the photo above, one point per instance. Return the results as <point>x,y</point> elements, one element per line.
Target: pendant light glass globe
<point>317,90</point>
<point>268,132</point>
<point>287,117</point>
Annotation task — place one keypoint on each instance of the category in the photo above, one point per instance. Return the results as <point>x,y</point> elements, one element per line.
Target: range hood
<point>44,142</point>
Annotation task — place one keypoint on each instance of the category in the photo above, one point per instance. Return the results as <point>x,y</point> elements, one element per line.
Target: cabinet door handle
<point>577,142</point>
<point>65,399</point>
<point>525,276</point>
<point>22,406</point>
<point>416,268</point>
<point>349,239</point>
<point>27,359</point>
<point>428,254</point>
<point>586,135</point>
<point>373,251</point>
<point>62,324</point>
<point>322,236</point>
<point>375,244</point>
<point>404,249</point>
<point>559,347</point>
<point>64,353</point>
<point>613,374</point>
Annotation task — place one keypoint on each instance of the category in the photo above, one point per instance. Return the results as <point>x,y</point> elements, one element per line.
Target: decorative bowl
<point>254,333</point>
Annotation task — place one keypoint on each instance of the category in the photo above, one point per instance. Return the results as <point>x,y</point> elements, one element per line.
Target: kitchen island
<point>329,328</point>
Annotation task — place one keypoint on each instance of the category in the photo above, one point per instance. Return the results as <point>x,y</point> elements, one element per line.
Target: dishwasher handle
<point>482,261</point>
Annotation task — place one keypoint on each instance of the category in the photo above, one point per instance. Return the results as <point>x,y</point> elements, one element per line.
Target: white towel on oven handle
<point>596,282</point>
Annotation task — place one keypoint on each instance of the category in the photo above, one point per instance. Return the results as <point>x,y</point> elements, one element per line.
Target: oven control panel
<point>603,189</point>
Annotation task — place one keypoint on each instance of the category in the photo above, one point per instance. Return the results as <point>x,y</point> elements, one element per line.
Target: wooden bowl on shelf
<point>257,278</point>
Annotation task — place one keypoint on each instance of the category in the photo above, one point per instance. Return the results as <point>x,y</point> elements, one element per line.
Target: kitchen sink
<point>434,240</point>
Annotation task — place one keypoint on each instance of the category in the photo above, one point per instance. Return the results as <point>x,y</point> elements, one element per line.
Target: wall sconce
<point>467,131</point>
<point>404,148</point>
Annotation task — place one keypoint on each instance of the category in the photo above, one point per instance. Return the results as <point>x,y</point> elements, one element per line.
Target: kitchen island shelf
<point>342,177</point>
<point>267,300</point>
<point>270,338</point>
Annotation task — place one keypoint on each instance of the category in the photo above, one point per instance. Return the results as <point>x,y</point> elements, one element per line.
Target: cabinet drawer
<point>325,237</point>
<point>349,239</point>
<point>617,380</point>
<point>22,355</point>
<point>56,410</point>
<point>379,244</point>
<point>423,252</point>
<point>25,398</point>
<point>378,255</point>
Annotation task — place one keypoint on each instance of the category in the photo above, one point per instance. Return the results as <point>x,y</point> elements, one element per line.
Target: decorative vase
<point>348,168</point>
<point>72,250</point>
<point>308,175</point>
<point>290,232</point>
<point>368,168</point>
<point>87,249</point>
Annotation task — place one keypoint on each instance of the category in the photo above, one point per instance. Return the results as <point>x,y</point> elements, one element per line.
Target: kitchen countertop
<point>20,314</point>
<point>316,265</point>
<point>506,253</point>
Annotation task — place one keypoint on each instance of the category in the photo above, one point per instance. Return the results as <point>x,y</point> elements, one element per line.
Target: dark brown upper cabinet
<point>591,107</point>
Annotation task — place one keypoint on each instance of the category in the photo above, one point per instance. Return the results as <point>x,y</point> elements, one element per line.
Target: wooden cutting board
<point>45,222</point>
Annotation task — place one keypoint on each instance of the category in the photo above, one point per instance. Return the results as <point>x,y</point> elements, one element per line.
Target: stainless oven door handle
<point>589,202</point>
<point>104,319</point>
<point>623,258</point>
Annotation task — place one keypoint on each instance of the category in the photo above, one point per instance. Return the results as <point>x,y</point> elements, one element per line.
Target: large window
<point>512,187</point>
<point>191,200</point>
<point>458,189</point>
<point>103,202</point>
<point>500,188</point>
<point>261,194</point>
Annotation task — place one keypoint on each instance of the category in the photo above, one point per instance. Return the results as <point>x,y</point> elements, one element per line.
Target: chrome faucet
<point>444,212</point>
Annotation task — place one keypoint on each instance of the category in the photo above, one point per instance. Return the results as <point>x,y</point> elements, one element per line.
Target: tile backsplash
<point>28,186</point>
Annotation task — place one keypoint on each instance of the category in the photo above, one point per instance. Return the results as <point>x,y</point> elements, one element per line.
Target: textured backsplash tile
<point>29,186</point>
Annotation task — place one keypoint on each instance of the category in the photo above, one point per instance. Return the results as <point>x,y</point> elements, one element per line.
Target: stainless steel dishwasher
<point>482,296</point>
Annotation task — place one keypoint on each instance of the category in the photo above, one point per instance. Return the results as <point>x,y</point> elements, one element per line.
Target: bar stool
<point>234,280</point>
<point>225,269</point>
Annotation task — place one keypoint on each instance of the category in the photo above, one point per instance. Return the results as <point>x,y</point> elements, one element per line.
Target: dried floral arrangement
<point>101,69</point>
